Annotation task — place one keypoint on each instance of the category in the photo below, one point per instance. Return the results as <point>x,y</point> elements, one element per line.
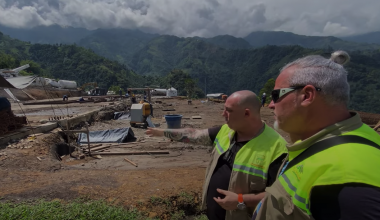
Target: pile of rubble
<point>10,122</point>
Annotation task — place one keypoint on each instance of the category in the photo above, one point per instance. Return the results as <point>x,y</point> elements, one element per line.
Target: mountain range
<point>121,44</point>
<point>219,64</point>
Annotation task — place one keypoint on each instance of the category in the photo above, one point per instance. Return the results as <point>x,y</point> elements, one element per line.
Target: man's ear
<point>309,94</point>
<point>247,112</point>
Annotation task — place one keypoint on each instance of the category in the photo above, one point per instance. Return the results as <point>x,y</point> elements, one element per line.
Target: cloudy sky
<point>205,18</point>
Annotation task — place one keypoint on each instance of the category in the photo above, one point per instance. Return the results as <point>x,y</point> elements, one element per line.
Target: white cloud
<point>337,29</point>
<point>202,18</point>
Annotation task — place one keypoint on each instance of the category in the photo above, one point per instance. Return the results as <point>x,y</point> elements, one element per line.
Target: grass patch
<point>201,217</point>
<point>75,210</point>
<point>185,205</point>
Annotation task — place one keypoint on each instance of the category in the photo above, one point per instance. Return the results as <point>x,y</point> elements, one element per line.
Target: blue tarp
<point>119,135</point>
<point>4,104</point>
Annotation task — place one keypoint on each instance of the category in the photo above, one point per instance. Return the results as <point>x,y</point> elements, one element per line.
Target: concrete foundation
<point>78,119</point>
<point>26,131</point>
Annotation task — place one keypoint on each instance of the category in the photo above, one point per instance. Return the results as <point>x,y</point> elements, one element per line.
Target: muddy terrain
<point>30,170</point>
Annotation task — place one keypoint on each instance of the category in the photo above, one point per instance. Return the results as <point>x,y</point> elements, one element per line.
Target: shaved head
<point>242,112</point>
<point>248,100</point>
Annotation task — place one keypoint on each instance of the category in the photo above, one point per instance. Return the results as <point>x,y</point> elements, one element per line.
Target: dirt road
<point>24,176</point>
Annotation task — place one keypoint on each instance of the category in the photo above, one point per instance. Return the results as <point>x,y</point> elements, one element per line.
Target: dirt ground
<point>29,171</point>
<point>32,172</point>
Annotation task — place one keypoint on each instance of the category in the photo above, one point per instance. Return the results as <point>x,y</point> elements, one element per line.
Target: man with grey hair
<point>245,160</point>
<point>331,172</point>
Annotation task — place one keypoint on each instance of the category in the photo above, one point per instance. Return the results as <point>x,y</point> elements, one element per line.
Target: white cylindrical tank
<point>66,84</point>
<point>171,92</point>
<point>47,80</point>
<point>54,83</point>
<point>158,92</point>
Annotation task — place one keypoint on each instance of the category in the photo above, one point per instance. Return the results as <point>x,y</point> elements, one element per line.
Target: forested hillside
<point>372,37</point>
<point>280,38</point>
<point>223,70</point>
<point>116,44</point>
<point>170,61</point>
<point>68,62</point>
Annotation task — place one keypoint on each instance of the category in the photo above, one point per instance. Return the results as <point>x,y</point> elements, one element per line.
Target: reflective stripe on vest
<point>222,140</point>
<point>218,147</point>
<point>299,199</point>
<point>250,170</point>
<point>340,164</point>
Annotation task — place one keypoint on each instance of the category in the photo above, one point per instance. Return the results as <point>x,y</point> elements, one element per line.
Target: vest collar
<point>339,128</point>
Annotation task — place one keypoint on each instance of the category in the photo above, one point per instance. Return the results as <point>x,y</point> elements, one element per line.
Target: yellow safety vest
<point>254,157</point>
<point>250,169</point>
<point>344,163</point>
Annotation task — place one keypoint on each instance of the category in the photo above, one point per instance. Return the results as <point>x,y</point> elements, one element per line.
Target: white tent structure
<point>21,82</point>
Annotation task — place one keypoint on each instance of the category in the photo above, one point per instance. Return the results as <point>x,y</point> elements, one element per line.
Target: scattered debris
<point>130,153</point>
<point>39,158</point>
<point>134,164</point>
<point>167,110</point>
<point>43,121</point>
<point>196,117</point>
<point>97,148</point>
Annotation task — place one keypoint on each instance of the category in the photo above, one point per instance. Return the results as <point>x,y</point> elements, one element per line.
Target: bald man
<point>245,160</point>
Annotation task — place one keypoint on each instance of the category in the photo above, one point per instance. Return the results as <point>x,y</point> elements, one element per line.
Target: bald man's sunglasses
<point>278,93</point>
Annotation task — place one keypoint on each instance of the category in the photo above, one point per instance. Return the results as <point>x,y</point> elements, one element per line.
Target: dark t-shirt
<point>345,202</point>
<point>222,173</point>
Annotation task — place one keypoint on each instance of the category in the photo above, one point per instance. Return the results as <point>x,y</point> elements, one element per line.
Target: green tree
<point>268,87</point>
<point>33,69</point>
<point>190,87</point>
<point>116,89</point>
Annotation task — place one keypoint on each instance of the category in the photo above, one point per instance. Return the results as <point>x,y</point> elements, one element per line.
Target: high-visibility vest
<point>343,163</point>
<point>255,156</point>
<point>250,168</point>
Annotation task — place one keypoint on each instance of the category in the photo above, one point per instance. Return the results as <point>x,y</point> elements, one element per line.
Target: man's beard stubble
<point>276,126</point>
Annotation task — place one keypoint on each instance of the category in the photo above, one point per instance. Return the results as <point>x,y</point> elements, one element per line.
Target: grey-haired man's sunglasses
<point>278,93</point>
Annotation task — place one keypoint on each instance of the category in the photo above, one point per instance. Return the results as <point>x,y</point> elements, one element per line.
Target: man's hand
<point>154,132</point>
<point>229,202</point>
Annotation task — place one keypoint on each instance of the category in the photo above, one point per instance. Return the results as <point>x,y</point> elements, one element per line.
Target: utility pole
<point>205,86</point>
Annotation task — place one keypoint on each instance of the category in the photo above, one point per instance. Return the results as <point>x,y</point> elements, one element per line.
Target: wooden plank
<point>30,96</point>
<point>168,110</point>
<point>130,153</point>
<point>94,145</point>
<point>99,148</point>
<point>91,146</point>
<point>130,162</point>
<point>36,135</point>
<point>115,144</point>
<point>196,117</point>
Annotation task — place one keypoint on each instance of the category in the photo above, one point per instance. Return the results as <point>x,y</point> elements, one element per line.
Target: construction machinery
<point>98,92</point>
<point>141,112</point>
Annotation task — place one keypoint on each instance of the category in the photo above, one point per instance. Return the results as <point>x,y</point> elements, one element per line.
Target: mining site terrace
<point>31,168</point>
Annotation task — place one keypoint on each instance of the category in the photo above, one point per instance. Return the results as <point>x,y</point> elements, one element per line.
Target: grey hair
<point>327,74</point>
